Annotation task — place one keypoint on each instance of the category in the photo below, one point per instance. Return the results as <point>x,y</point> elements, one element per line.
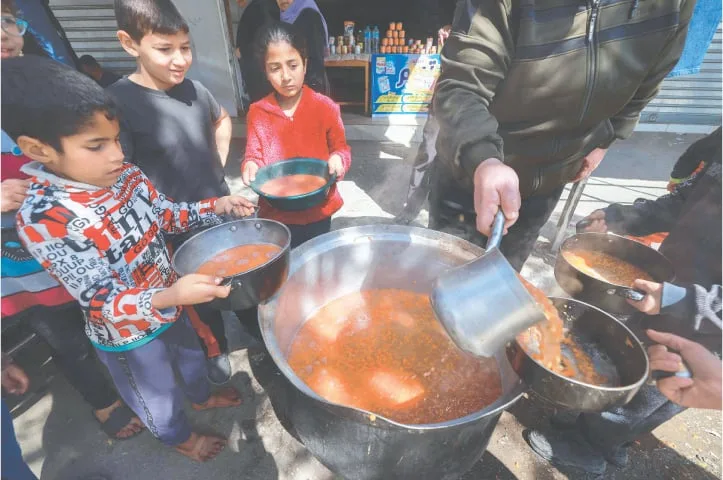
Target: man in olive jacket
<point>532,94</point>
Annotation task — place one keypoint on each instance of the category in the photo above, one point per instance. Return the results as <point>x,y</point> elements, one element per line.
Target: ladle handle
<point>498,228</point>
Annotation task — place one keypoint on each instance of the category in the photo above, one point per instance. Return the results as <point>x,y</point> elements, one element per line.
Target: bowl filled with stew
<point>251,255</point>
<point>294,184</point>
<point>600,269</point>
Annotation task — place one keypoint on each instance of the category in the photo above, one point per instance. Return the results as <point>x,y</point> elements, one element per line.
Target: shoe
<point>564,419</point>
<point>567,449</point>
<point>219,369</point>
<point>620,457</point>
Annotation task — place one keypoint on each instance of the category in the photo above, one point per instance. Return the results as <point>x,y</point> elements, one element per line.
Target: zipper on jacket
<point>592,57</point>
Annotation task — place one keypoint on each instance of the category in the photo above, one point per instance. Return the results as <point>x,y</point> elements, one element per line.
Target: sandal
<point>205,447</point>
<point>119,419</point>
<point>222,398</point>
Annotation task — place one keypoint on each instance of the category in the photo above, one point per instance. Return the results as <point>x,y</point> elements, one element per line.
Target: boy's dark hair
<point>88,61</point>
<point>139,18</point>
<point>47,100</point>
<point>278,32</point>
<point>8,6</point>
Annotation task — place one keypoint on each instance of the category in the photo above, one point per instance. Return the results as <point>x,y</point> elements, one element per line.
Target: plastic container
<point>349,32</point>
<point>306,166</point>
<point>375,39</point>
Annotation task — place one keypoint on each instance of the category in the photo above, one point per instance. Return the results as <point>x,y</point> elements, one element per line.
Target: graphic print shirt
<point>107,247</point>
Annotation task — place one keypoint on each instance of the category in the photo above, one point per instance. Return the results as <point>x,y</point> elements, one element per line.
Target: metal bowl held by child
<point>597,345</point>
<point>354,443</point>
<point>586,258</point>
<point>251,286</point>
<point>295,184</point>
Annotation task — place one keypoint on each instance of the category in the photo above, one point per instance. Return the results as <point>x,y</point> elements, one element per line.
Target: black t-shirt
<point>108,79</point>
<point>170,135</point>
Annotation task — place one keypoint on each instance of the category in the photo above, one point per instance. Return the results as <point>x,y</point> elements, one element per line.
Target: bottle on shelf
<point>367,39</point>
<point>375,39</point>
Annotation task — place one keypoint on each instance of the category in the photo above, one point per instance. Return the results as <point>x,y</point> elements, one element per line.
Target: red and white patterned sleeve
<point>181,217</point>
<point>87,275</point>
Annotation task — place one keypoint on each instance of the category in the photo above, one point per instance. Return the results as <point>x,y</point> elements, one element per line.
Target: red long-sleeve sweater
<point>314,131</point>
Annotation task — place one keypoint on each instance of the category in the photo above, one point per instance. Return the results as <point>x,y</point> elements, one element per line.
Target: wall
<point>213,62</point>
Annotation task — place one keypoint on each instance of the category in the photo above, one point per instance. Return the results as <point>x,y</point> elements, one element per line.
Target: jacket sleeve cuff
<point>472,155</point>
<point>148,311</point>
<point>678,302</point>
<point>623,126</point>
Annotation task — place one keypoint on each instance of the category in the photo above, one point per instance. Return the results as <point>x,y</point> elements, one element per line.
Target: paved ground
<point>61,440</point>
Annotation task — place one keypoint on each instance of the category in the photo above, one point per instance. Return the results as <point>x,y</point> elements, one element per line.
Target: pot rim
<point>566,246</point>
<point>364,232</point>
<point>284,248</point>
<point>621,389</point>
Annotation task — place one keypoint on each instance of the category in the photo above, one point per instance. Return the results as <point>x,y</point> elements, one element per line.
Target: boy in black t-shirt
<point>173,128</point>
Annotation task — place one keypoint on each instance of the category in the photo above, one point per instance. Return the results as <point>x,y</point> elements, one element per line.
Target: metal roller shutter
<point>91,28</point>
<point>691,99</point>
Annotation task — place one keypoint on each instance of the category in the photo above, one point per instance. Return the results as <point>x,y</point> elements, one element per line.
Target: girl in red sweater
<point>294,121</point>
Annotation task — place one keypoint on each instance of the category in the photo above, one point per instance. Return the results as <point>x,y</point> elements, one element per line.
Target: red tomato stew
<point>239,259</point>
<point>385,352</point>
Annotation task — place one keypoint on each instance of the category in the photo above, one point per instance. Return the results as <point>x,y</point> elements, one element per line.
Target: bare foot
<point>201,448</point>
<point>225,397</point>
<point>133,427</point>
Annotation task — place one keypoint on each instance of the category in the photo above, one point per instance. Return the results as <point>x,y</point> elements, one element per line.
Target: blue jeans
<point>13,465</point>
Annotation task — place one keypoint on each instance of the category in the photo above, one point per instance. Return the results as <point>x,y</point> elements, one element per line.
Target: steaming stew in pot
<point>385,352</point>
<point>236,260</point>
<point>605,267</point>
<point>546,341</point>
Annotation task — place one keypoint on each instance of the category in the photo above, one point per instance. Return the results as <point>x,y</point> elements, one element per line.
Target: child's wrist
<point>163,299</point>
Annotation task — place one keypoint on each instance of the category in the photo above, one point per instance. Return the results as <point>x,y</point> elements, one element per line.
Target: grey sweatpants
<point>154,378</point>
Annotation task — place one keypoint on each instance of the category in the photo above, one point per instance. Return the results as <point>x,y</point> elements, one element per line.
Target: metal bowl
<point>294,166</point>
<point>607,340</point>
<point>249,288</point>
<point>608,296</point>
<point>354,443</point>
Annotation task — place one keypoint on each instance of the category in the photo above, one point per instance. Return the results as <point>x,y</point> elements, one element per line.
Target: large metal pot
<point>614,349</point>
<point>604,295</point>
<point>250,288</point>
<point>354,443</point>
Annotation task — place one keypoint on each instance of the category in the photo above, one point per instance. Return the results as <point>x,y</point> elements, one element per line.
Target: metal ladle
<point>482,304</point>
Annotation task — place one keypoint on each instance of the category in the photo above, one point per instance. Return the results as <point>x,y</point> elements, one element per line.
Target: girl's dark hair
<point>47,100</point>
<point>278,32</point>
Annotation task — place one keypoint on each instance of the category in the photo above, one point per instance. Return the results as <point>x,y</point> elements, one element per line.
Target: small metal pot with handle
<point>249,288</point>
<point>605,295</point>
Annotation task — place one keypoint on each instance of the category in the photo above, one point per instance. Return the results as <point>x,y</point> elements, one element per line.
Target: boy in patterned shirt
<point>97,225</point>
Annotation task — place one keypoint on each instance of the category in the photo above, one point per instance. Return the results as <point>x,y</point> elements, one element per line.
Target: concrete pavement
<point>62,441</point>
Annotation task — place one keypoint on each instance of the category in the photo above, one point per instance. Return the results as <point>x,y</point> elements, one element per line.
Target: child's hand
<point>14,380</point>
<point>595,222</point>
<point>701,391</point>
<point>651,303</point>
<point>234,205</point>
<point>14,191</point>
<point>248,174</point>
<point>191,289</point>
<point>336,166</point>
